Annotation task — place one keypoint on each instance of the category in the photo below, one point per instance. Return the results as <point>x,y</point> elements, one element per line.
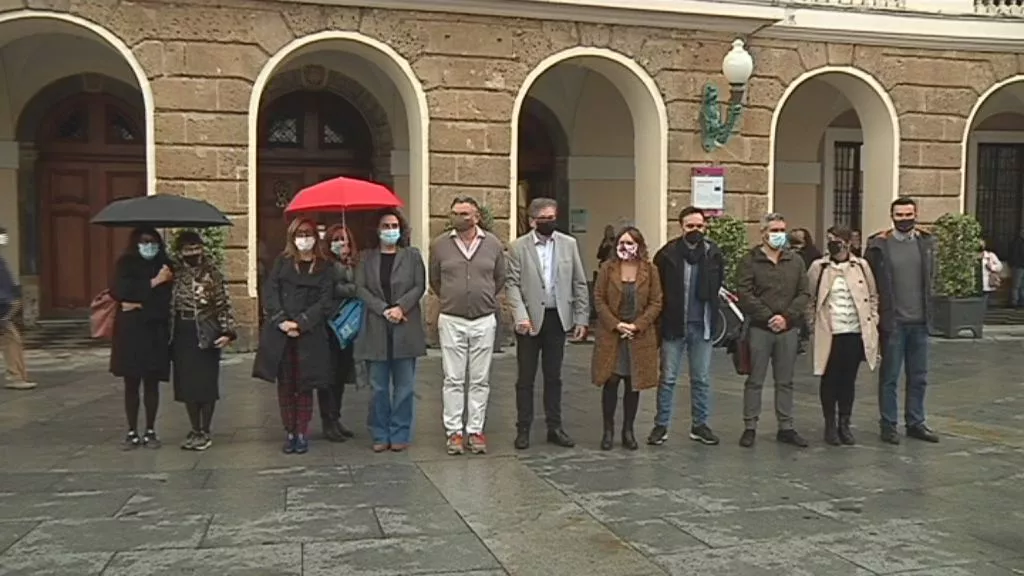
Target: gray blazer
<point>408,283</point>
<point>525,284</point>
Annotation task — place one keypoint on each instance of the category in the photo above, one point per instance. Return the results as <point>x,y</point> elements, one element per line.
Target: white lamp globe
<point>737,66</point>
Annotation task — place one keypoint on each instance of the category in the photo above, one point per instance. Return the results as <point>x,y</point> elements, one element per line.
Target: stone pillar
<point>28,237</point>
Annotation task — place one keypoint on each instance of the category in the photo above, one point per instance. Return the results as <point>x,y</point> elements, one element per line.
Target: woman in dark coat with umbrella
<point>343,253</point>
<point>293,350</point>
<point>140,350</point>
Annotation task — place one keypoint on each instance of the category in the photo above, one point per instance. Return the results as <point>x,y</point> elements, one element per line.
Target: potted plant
<point>958,304</point>
<point>215,240</point>
<point>731,236</point>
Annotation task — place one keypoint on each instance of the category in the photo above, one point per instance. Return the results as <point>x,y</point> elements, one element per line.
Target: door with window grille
<point>1000,194</point>
<point>847,188</point>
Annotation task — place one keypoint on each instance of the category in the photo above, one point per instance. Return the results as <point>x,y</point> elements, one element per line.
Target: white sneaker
<point>19,385</point>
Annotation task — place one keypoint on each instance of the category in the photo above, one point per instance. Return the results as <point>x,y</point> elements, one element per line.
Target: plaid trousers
<point>296,404</point>
<point>11,345</point>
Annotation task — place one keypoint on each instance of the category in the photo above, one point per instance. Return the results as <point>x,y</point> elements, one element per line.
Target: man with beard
<point>691,269</point>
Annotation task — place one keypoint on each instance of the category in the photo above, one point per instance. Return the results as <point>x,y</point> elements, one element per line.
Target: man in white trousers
<point>467,273</point>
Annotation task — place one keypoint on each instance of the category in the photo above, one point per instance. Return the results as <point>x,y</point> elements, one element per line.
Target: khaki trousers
<point>11,346</point>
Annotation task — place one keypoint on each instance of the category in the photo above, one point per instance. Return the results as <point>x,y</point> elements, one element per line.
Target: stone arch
<point>365,102</point>
<point>647,108</point>
<point>880,125</point>
<point>969,126</point>
<point>414,99</point>
<point>119,46</point>
<point>42,103</point>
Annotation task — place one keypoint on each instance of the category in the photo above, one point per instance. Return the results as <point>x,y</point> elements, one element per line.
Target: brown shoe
<point>399,447</point>
<point>378,448</point>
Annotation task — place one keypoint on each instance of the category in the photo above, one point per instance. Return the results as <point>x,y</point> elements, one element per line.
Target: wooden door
<point>78,258</point>
<point>277,186</point>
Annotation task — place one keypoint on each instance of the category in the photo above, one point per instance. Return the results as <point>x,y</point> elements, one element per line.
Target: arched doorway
<point>543,160</point>
<point>305,137</point>
<point>91,152</point>
<point>835,152</point>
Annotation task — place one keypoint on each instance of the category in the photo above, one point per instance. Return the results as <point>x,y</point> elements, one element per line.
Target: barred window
<point>1000,200</point>
<point>847,185</point>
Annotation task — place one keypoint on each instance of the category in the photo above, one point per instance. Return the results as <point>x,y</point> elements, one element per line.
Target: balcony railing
<point>1012,8</point>
<point>1007,7</point>
<point>890,4</point>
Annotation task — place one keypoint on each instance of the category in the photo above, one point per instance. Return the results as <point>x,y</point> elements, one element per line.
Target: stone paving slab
<point>77,505</point>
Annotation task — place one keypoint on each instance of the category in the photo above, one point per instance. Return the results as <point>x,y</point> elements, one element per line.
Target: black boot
<point>608,437</point>
<point>630,405</point>
<point>831,432</point>
<point>845,434</point>
<point>628,439</point>
<point>331,432</point>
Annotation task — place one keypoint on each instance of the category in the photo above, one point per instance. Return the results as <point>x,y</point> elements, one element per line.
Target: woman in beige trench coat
<point>844,317</point>
<point>627,295</point>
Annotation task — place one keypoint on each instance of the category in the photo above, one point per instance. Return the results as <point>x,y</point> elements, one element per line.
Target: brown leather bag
<point>103,310</point>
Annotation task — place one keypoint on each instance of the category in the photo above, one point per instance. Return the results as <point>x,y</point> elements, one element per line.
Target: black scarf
<point>697,256</point>
<point>693,254</point>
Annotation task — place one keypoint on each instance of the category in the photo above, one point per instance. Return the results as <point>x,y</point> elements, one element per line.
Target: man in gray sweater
<point>903,261</point>
<point>467,273</point>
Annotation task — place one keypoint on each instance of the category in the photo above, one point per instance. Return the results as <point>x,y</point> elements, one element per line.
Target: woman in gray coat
<point>391,280</point>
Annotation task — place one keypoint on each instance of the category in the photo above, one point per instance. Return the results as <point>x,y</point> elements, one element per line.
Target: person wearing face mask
<point>547,291</point>
<point>903,261</point>
<point>391,280</point>
<point>628,298</point>
<point>140,347</point>
<point>343,255</point>
<point>203,323</point>
<point>772,288</point>
<point>692,270</point>
<point>843,316</point>
<point>10,336</point>
<point>467,272</point>
<point>293,352</point>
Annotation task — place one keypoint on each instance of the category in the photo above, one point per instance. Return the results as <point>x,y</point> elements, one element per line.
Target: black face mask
<point>904,226</point>
<point>546,227</point>
<point>834,247</point>
<point>192,259</point>
<point>693,237</point>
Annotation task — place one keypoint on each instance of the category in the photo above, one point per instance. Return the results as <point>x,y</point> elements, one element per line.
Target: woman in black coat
<point>293,350</point>
<point>140,350</point>
<point>343,252</point>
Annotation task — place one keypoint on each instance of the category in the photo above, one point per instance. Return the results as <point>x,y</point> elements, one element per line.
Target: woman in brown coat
<point>627,295</point>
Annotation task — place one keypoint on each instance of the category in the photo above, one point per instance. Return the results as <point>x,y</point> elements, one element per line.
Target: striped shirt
<point>841,307</point>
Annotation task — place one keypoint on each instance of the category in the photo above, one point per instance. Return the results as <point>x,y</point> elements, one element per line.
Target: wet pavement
<point>73,504</point>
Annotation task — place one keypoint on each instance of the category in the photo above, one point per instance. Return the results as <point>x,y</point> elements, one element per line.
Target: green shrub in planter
<point>731,236</point>
<point>958,304</point>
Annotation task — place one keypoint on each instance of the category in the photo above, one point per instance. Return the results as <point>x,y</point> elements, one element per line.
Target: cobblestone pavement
<point>71,503</point>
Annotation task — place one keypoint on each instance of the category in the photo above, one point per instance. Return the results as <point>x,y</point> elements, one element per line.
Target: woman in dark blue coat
<point>140,349</point>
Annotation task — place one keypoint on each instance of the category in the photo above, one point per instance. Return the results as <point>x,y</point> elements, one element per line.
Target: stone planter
<point>952,316</point>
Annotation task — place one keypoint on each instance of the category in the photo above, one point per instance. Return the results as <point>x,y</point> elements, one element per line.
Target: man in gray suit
<point>547,290</point>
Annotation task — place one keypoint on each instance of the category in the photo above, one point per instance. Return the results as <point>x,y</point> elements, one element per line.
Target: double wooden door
<point>77,259</point>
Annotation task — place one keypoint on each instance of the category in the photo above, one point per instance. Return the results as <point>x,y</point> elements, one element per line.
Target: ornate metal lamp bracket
<point>716,131</point>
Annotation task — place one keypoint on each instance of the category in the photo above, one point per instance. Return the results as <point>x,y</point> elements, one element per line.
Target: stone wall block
<point>224,60</point>
<point>932,127</point>
<point>812,55</point>
<point>471,170</point>
<point>470,73</point>
<point>169,127</point>
<point>952,182</point>
<point>782,64</point>
<point>756,206</point>
<point>685,85</point>
<point>920,181</point>
<point>233,163</point>
<point>930,154</point>
<point>233,95</point>
<point>273,32</point>
<point>931,71</point>
<point>470,105</point>
<point>680,143</point>
<point>150,55</point>
<point>236,264</point>
<point>454,38</point>
<point>955,101</point>
<point>486,138</point>
<point>670,54</point>
<point>746,178</point>
<point>679,174</point>
<point>186,162</point>
<point>217,129</point>
<point>599,35</point>
<point>229,196</point>
<point>401,30</point>
<point>185,94</point>
<point>871,59</point>
<point>931,208</point>
<point>839,54</point>
<point>908,99</point>
<point>630,40</point>
<point>735,205</point>
<point>220,24</point>
<point>309,19</point>
<point>238,232</point>
<point>683,115</point>
<point>756,122</point>
<point>763,91</point>
<point>441,197</point>
<point>499,201</point>
<point>9,5</point>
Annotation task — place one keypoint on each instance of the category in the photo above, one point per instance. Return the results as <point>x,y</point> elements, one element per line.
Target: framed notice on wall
<point>707,189</point>
<point>578,221</point>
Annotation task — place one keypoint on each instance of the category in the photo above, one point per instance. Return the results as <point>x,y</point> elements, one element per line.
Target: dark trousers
<point>329,401</point>
<point>549,346</point>
<point>839,382</point>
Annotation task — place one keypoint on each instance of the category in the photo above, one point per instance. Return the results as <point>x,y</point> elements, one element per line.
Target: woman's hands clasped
<point>290,328</point>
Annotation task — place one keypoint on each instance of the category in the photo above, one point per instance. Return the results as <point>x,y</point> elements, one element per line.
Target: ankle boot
<point>628,439</point>
<point>331,432</point>
<point>831,432</point>
<point>608,437</point>
<point>845,434</point>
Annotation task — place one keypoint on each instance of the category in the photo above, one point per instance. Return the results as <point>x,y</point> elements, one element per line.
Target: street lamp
<point>737,66</point>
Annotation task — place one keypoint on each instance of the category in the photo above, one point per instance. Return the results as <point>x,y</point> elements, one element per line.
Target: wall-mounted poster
<point>578,221</point>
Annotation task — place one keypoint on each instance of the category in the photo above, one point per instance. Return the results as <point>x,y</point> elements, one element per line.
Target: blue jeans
<point>906,348</point>
<point>392,405</point>
<point>700,367</point>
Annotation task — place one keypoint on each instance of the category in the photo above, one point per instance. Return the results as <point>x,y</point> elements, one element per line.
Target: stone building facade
<point>613,121</point>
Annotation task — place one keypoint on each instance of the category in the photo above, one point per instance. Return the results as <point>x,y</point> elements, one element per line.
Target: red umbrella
<point>343,194</point>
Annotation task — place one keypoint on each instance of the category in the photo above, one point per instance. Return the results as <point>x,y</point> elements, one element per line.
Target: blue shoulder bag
<point>348,321</point>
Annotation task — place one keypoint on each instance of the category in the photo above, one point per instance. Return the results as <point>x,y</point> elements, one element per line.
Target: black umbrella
<point>161,211</point>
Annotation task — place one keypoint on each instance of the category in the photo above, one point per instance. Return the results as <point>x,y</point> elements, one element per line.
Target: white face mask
<point>305,244</point>
<point>3,239</point>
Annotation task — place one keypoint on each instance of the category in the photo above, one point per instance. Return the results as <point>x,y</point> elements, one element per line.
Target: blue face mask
<point>149,250</point>
<point>390,236</point>
<point>336,247</point>
<point>777,240</point>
